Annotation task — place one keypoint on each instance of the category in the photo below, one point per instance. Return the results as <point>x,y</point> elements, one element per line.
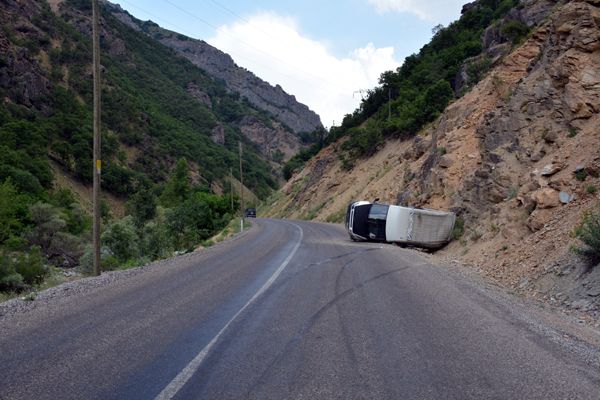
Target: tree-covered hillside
<point>157,108</point>
<point>417,92</point>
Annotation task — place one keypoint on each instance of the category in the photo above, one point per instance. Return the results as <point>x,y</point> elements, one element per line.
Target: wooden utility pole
<point>241,190</point>
<point>231,187</point>
<point>97,160</point>
<point>389,103</point>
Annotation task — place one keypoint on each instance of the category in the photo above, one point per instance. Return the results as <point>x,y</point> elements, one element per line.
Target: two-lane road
<point>290,310</point>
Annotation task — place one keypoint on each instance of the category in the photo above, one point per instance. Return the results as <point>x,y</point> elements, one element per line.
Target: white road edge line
<point>181,379</point>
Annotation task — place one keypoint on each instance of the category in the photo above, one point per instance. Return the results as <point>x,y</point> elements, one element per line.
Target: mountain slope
<point>151,100</point>
<point>498,156</point>
<point>170,134</point>
<point>273,99</point>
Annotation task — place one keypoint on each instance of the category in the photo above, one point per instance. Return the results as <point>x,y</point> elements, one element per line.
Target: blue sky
<point>323,52</point>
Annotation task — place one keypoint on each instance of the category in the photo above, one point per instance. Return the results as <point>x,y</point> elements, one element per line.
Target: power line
<point>230,11</point>
<point>191,34</point>
<point>255,48</point>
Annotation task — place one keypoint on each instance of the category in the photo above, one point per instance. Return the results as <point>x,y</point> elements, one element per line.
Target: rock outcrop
<point>20,73</point>
<point>273,99</point>
<point>517,154</point>
<point>273,141</point>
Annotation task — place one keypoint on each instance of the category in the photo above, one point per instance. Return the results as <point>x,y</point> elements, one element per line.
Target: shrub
<point>107,261</point>
<point>475,235</point>
<point>20,270</point>
<point>51,234</point>
<point>589,233</point>
<point>31,266</point>
<point>591,189</point>
<point>459,228</point>
<point>10,280</point>
<point>47,220</point>
<point>515,31</point>
<point>581,175</point>
<point>478,68</point>
<point>512,193</point>
<point>121,239</point>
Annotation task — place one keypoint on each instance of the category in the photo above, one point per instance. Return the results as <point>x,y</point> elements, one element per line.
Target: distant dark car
<point>250,213</point>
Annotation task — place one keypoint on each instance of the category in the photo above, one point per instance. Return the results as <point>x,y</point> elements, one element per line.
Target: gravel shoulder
<point>54,297</point>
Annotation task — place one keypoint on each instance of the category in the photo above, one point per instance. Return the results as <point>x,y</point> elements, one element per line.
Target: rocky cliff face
<point>272,139</point>
<point>21,75</point>
<point>273,99</point>
<point>516,157</point>
<point>284,107</point>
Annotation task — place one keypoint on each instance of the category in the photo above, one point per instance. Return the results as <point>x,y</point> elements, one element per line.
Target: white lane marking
<point>181,379</point>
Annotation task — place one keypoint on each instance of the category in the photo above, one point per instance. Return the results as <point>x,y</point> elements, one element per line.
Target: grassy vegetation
<point>337,217</point>
<point>232,228</point>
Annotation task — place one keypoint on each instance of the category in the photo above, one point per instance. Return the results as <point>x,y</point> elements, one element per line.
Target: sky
<point>324,52</point>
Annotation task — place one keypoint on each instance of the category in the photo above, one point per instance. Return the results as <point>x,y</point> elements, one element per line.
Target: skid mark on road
<point>307,267</point>
<point>310,323</point>
<point>344,326</point>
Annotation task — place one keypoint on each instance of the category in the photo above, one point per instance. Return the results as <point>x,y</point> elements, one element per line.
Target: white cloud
<point>435,11</point>
<point>272,47</point>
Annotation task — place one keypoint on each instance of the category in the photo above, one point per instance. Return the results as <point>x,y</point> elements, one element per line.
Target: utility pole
<point>97,160</point>
<point>241,190</point>
<point>361,92</point>
<point>231,187</point>
<point>389,103</point>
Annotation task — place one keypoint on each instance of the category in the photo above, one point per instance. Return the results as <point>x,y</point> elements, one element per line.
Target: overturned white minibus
<point>403,225</point>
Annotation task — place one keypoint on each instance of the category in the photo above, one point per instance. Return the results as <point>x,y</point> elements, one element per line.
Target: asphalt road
<point>290,310</point>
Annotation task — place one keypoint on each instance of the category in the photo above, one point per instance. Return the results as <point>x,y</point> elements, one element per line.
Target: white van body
<point>402,225</point>
<point>430,228</point>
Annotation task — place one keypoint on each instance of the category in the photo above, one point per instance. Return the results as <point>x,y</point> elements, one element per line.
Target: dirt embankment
<point>517,158</point>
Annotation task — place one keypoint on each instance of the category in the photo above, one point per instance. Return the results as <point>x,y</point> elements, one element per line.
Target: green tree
<point>155,237</point>
<point>13,211</point>
<point>178,188</point>
<point>142,204</point>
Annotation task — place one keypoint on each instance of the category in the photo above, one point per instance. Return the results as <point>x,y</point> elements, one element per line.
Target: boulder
<point>545,198</point>
<point>565,197</point>
<point>538,218</point>
<point>446,161</point>
<point>420,146</point>
<point>538,152</point>
<point>551,169</point>
<point>526,202</point>
<point>550,137</point>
